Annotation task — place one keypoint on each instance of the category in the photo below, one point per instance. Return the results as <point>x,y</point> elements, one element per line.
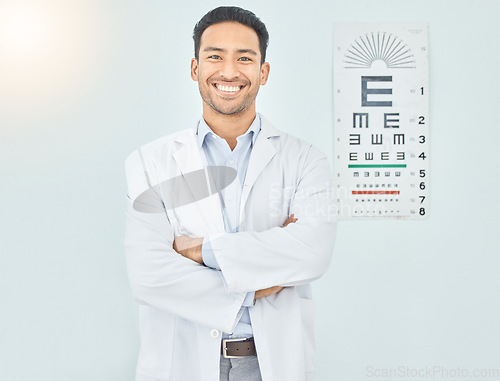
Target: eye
<point>214,57</point>
<point>245,59</point>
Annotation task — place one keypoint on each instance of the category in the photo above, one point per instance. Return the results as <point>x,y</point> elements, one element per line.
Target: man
<point>216,258</point>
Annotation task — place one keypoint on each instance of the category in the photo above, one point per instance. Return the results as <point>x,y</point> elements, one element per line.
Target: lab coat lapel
<point>262,153</point>
<point>189,158</point>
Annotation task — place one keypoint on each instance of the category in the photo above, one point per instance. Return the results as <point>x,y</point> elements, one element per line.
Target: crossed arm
<point>249,260</point>
<point>191,248</point>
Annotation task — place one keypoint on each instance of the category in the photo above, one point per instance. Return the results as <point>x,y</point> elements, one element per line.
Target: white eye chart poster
<point>381,120</point>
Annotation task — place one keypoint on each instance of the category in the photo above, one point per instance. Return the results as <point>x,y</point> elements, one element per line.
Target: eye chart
<point>381,123</point>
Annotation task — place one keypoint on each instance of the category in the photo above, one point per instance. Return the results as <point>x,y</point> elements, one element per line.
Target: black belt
<point>235,348</point>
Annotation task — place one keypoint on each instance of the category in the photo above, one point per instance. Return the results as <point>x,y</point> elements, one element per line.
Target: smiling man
<point>229,75</point>
<point>229,67</point>
<point>227,224</point>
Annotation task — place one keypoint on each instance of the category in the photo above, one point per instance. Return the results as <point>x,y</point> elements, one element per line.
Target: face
<point>228,71</point>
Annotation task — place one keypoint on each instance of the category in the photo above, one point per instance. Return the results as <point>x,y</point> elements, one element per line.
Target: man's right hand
<point>290,220</point>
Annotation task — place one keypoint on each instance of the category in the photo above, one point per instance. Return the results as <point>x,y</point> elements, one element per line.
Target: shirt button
<point>231,161</point>
<point>230,197</point>
<point>214,333</point>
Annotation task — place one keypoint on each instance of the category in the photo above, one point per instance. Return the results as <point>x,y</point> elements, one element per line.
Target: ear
<point>264,73</point>
<point>194,69</point>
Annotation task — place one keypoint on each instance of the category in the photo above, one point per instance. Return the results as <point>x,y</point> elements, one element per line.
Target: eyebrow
<point>215,49</point>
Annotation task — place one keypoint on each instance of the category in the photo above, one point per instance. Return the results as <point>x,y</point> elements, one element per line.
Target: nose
<point>229,69</point>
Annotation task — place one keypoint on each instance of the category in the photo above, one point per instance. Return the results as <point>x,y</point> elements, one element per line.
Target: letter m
<point>357,119</point>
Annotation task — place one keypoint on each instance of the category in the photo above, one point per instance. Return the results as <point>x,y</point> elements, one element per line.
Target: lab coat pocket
<point>307,307</point>
<point>157,332</point>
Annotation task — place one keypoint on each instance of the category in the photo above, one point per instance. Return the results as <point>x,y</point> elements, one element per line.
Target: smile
<point>228,89</point>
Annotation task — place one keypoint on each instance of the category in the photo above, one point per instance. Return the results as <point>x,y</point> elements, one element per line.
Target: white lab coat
<point>185,306</point>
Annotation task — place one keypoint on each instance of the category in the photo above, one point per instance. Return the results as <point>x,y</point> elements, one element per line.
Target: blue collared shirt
<point>219,153</point>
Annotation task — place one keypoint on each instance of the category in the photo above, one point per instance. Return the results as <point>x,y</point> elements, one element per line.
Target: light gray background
<point>107,76</point>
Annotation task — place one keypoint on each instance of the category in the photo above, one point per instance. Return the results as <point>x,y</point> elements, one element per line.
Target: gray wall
<point>82,83</point>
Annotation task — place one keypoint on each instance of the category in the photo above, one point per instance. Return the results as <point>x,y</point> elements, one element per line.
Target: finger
<point>290,220</point>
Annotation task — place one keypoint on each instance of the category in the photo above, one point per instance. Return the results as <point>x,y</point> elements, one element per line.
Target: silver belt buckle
<point>224,348</point>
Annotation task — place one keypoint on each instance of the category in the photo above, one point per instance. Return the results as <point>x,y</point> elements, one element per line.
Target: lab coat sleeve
<point>289,256</point>
<point>210,261</point>
<point>161,277</point>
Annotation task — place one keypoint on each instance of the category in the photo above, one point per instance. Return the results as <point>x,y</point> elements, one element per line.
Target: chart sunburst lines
<point>379,46</point>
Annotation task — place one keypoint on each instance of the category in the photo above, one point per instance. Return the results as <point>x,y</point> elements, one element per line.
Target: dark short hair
<point>231,14</point>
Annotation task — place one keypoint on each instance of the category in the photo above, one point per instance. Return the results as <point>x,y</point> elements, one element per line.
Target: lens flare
<point>24,29</point>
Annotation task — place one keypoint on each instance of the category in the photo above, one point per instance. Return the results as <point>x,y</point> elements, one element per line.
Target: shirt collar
<point>204,129</point>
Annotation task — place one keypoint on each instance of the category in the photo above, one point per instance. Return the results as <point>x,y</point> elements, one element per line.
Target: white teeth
<point>228,88</point>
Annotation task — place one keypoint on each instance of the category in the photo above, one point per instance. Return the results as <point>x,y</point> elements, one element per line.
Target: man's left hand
<point>189,247</point>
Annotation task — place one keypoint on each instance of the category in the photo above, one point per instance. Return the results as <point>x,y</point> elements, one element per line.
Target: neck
<point>229,127</point>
